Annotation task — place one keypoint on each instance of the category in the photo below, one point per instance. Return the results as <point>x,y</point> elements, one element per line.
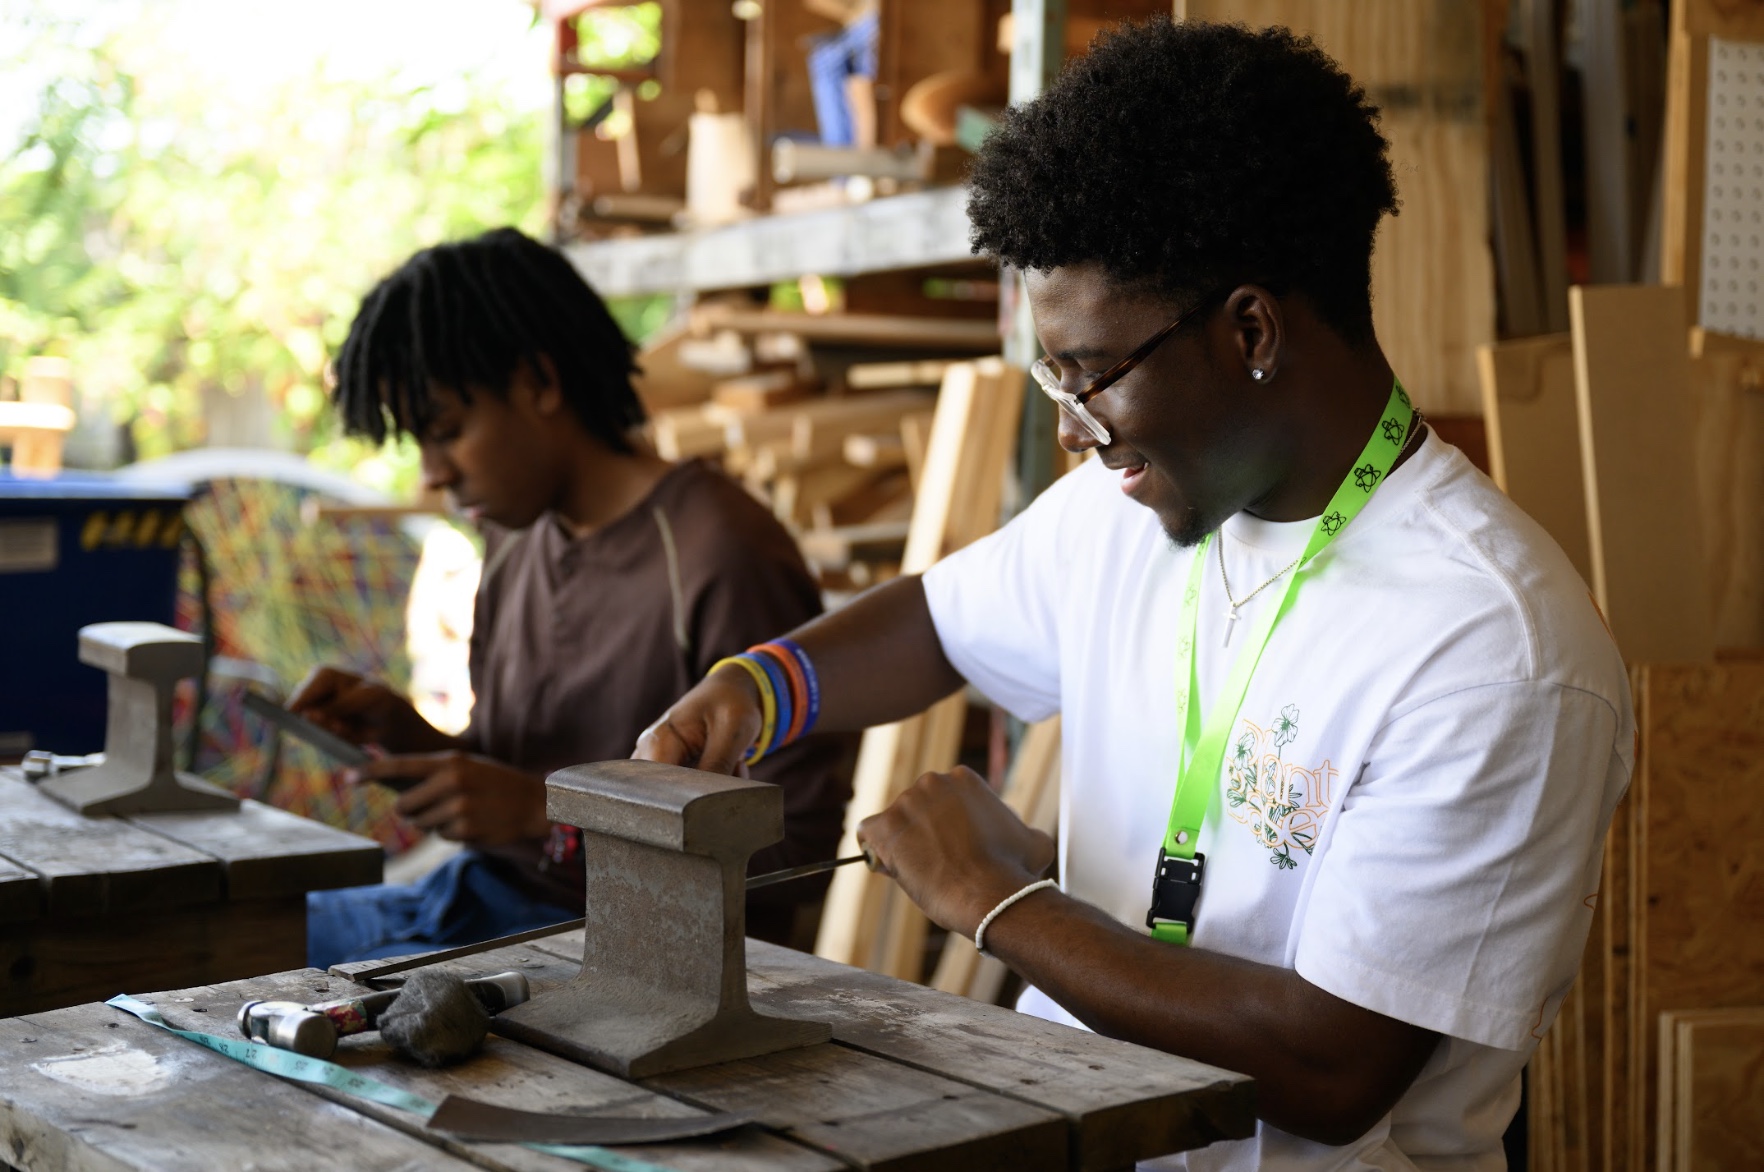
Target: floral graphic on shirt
<point>1282,803</point>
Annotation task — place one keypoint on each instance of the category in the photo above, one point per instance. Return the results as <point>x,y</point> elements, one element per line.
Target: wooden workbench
<point>93,907</point>
<point>913,1079</point>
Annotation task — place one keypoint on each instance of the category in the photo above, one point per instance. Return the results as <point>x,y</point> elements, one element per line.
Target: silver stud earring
<point>1258,374</point>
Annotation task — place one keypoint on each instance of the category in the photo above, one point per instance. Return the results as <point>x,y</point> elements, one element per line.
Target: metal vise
<point>145,662</point>
<point>663,983</point>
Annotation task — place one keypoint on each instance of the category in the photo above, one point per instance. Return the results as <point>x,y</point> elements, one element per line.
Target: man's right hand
<point>364,711</point>
<point>712,727</point>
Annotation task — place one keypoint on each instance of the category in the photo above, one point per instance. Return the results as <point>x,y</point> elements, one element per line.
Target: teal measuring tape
<point>316,1070</point>
<point>1176,884</point>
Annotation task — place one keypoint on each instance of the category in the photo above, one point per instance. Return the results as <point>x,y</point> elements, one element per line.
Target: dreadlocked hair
<point>465,316</point>
<point>1182,157</point>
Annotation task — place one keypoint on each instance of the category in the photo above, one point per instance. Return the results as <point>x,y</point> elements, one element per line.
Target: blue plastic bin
<point>75,550</point>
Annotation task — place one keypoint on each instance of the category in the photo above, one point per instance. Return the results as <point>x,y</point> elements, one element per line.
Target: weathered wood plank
<point>875,1114</point>
<point>21,894</point>
<point>1125,1102</point>
<point>89,1089</point>
<point>51,962</point>
<point>266,852</point>
<point>99,866</point>
<point>505,1072</point>
<point>868,1111</point>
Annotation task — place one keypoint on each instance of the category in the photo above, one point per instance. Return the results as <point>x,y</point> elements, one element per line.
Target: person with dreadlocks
<point>1341,728</point>
<point>612,580</point>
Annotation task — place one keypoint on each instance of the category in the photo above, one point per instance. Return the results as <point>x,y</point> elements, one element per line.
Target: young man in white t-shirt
<point>1427,728</point>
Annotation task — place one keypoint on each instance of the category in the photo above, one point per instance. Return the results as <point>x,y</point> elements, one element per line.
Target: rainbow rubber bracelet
<point>811,682</point>
<point>798,691</point>
<point>781,688</point>
<point>768,702</point>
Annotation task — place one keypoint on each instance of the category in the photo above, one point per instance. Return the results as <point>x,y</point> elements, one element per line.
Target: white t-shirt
<point>1419,780</point>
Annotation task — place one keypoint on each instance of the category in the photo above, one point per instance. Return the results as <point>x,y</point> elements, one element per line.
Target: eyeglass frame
<point>1046,377</point>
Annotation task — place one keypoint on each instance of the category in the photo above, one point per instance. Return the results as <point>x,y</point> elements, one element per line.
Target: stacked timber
<point>834,450</point>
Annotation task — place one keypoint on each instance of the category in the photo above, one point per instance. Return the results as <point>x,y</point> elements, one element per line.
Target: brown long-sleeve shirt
<point>579,644</point>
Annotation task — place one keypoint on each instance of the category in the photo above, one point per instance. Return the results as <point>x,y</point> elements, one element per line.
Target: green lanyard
<point>1176,887</point>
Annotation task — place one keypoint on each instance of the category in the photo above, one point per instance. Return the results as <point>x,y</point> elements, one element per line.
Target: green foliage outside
<point>178,247</point>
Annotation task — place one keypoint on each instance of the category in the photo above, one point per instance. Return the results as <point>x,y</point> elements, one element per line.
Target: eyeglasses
<point>1047,376</point>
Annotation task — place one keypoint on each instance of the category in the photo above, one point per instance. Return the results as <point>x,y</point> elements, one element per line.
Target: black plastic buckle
<point>1176,888</point>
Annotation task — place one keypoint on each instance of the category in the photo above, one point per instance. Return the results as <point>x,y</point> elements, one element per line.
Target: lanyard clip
<point>1176,888</point>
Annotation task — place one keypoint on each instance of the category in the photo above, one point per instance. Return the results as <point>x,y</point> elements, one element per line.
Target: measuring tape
<point>300,1068</point>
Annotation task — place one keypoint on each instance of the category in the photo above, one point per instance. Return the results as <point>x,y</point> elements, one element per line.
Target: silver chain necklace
<point>1231,614</point>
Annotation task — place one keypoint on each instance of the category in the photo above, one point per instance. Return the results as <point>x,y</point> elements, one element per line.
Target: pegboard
<point>1731,300</point>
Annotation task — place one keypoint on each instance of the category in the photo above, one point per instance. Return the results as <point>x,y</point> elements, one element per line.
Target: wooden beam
<point>1529,406</point>
<point>1632,382</point>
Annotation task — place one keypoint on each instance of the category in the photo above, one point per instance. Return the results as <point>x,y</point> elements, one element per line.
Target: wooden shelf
<point>896,232</point>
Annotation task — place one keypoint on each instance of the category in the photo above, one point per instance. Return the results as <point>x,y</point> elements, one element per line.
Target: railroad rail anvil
<point>145,662</point>
<point>663,983</point>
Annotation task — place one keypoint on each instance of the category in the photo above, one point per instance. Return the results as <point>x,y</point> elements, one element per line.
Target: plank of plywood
<point>99,866</point>
<point>267,853</point>
<point>1700,801</point>
<point>1717,1090</point>
<point>90,1089</point>
<point>1727,381</point>
<point>1632,384</point>
<point>867,921</point>
<point>21,894</point>
<point>1528,404</point>
<point>1433,284</point>
<point>870,329</point>
<point>1032,791</point>
<point>507,1072</point>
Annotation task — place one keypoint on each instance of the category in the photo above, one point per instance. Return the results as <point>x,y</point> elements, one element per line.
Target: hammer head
<point>666,806</point>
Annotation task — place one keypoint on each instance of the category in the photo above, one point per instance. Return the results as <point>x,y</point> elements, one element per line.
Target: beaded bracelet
<point>1007,901</point>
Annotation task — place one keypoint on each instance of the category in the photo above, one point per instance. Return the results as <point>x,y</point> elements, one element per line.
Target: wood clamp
<point>663,983</point>
<point>145,662</point>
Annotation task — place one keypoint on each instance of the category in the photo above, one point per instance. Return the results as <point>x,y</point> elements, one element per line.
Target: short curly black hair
<point>1185,156</point>
<point>465,315</point>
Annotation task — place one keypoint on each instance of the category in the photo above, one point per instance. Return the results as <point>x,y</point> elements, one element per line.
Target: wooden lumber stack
<point>1617,1083</point>
<point>834,447</point>
<point>868,921</point>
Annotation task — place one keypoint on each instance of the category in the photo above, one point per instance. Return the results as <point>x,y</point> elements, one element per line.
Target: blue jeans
<point>850,52</point>
<point>463,901</point>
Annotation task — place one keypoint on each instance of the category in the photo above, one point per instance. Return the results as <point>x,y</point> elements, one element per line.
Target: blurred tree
<point>179,248</point>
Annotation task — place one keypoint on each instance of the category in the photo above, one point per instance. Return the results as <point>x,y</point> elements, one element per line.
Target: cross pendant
<point>1230,622</point>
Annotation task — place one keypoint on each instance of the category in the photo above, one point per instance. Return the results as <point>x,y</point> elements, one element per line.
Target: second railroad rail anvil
<point>145,662</point>
<point>663,983</point>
